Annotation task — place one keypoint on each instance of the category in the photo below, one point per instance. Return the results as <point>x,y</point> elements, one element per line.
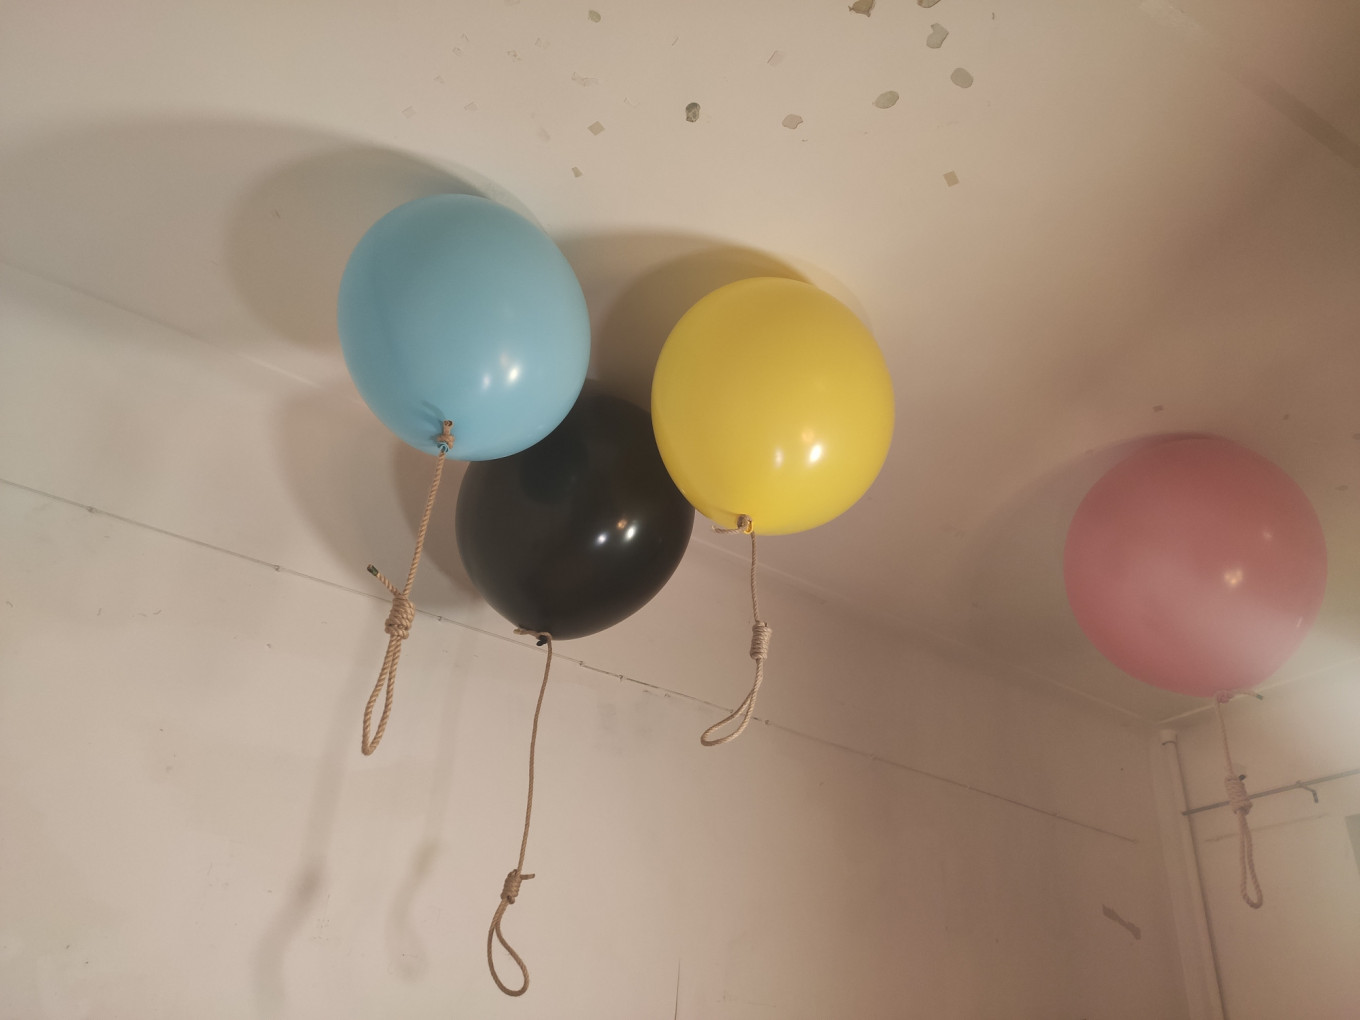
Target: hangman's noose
<point>403,613</point>
<point>760,648</point>
<point>510,889</point>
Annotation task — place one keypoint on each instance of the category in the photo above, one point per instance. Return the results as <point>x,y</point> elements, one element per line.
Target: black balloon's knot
<point>402,615</point>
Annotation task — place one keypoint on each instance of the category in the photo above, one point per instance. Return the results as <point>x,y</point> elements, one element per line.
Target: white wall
<point>187,636</point>
<point>1296,956</point>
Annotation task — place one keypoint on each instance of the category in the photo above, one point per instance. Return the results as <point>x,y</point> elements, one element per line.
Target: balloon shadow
<point>406,949</point>
<point>309,877</point>
<point>234,231</point>
<point>292,232</point>
<point>363,491</point>
<point>638,285</point>
<point>1017,595</point>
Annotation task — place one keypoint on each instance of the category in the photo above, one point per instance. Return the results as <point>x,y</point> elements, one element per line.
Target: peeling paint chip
<point>1168,15</point>
<point>439,78</point>
<point>595,128</point>
<point>471,108</point>
<point>576,171</point>
<point>886,99</point>
<point>938,34</point>
<point>1128,926</point>
<point>583,81</point>
<point>865,7</point>
<point>961,78</point>
<point>692,112</point>
<point>409,112</point>
<point>951,178</point>
<point>792,121</point>
<point>926,3</point>
<point>775,58</point>
<point>593,15</point>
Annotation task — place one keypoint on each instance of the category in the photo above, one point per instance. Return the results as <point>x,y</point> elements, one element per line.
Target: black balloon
<point>580,530</point>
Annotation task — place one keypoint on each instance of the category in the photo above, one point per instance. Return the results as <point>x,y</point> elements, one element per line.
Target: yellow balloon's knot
<point>744,527</point>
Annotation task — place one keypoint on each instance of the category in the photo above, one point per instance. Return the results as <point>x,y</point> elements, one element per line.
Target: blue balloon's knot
<point>445,438</point>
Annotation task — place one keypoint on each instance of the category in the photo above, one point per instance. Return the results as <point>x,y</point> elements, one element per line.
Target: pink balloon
<point>1196,565</point>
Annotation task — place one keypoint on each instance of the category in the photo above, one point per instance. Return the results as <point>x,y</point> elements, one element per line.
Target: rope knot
<point>1237,794</point>
<point>760,640</point>
<point>513,881</point>
<point>402,615</point>
<point>1240,803</point>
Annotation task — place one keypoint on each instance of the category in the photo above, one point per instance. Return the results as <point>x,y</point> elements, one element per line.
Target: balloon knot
<point>1223,697</point>
<point>445,438</point>
<point>402,615</point>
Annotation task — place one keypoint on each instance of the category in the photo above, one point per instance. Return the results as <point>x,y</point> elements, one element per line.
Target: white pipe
<point>1198,965</point>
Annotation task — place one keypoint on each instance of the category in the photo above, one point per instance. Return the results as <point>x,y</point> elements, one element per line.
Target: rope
<point>403,613</point>
<point>760,648</point>
<point>513,881</point>
<point>1241,806</point>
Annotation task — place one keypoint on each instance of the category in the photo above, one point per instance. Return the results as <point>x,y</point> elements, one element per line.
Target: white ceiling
<point>1155,227</point>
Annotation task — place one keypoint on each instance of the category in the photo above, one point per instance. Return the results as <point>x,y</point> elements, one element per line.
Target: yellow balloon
<point>771,399</point>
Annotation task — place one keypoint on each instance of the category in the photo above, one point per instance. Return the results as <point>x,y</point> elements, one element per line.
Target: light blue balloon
<point>454,307</point>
